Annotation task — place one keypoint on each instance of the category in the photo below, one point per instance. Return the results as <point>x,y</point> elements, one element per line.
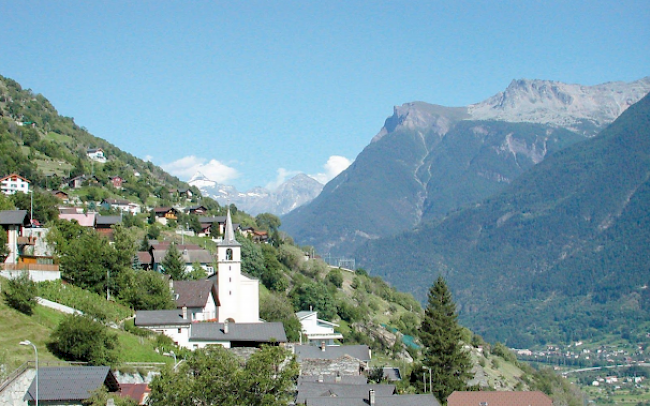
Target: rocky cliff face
<point>293,193</point>
<point>584,109</point>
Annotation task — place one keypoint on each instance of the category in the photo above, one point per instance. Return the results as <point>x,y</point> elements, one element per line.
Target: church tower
<point>229,274</point>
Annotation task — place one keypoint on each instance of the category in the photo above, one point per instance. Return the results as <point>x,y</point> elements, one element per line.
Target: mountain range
<point>429,160</point>
<point>291,194</point>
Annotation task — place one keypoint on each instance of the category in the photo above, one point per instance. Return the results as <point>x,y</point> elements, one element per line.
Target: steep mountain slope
<point>561,253</point>
<point>428,160</point>
<point>295,192</point>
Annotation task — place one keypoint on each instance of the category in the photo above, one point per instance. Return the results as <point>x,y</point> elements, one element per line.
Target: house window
<point>229,254</point>
<point>229,279</point>
<point>230,292</point>
<point>179,331</point>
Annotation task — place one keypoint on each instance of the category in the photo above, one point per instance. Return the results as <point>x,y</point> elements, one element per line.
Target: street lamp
<point>27,342</point>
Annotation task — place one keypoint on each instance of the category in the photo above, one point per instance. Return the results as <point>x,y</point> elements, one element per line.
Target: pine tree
<point>173,265</point>
<point>440,334</point>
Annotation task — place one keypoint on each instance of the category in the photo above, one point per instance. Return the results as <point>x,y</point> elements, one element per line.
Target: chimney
<point>371,397</point>
<point>184,309</point>
<point>322,346</point>
<point>338,378</point>
<point>320,378</point>
<point>225,326</point>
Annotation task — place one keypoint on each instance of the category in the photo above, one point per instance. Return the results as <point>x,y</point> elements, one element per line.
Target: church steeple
<point>229,232</point>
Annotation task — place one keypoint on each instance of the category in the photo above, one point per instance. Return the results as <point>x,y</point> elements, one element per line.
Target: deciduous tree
<point>20,293</point>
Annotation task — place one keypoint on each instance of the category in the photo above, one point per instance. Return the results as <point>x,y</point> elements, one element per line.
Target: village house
<point>198,210</point>
<point>13,183</point>
<point>191,255</point>
<point>165,214</point>
<point>499,398</point>
<point>259,236</point>
<point>116,181</point>
<point>199,298</point>
<point>333,360</point>
<point>318,331</point>
<point>322,393</point>
<point>96,154</point>
<point>121,205</point>
<point>61,195</point>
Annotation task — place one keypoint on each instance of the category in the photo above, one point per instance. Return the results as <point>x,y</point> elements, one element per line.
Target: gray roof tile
<point>14,217</point>
<point>360,352</point>
<point>70,383</point>
<point>160,318</point>
<point>251,332</point>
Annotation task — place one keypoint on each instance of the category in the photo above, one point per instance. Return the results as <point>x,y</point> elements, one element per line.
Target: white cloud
<point>214,170</point>
<point>282,177</point>
<point>335,165</point>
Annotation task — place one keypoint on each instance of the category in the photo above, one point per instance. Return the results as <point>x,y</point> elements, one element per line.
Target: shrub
<point>21,294</point>
<point>81,338</point>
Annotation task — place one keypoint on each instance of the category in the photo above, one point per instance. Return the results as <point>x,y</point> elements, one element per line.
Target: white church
<point>222,310</point>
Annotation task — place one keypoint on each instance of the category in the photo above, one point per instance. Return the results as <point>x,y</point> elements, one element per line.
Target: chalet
<point>499,398</point>
<point>116,181</point>
<point>198,210</point>
<point>164,214</point>
<point>208,223</point>
<point>79,181</point>
<point>175,324</point>
<point>61,195</point>
<point>96,154</point>
<point>255,235</point>
<point>318,331</point>
<point>70,385</point>
<point>185,193</point>
<point>13,183</point>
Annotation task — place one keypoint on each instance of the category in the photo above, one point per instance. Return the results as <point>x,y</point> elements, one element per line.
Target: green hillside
<point>560,255</point>
<point>47,148</point>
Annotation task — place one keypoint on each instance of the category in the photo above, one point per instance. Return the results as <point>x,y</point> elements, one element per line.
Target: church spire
<point>229,232</point>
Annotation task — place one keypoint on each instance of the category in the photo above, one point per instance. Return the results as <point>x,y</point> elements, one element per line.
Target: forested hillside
<point>560,255</point>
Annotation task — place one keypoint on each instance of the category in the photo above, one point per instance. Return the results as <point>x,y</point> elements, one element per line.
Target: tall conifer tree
<point>441,336</point>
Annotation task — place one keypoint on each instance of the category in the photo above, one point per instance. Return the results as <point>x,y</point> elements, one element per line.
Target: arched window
<point>229,254</point>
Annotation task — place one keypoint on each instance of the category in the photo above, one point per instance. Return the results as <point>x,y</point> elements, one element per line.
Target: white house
<point>96,154</point>
<point>317,330</point>
<point>13,183</point>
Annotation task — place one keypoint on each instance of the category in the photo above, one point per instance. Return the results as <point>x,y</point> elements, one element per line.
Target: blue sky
<point>253,92</point>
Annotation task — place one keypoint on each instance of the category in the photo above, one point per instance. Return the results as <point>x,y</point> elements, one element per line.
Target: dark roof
<point>392,374</point>
<point>121,202</point>
<point>164,209</point>
<point>187,256</point>
<point>160,318</point>
<point>212,219</point>
<point>164,245</point>
<point>360,352</point>
<point>345,379</point>
<point>310,390</point>
<point>107,220</point>
<point>251,332</point>
<point>503,398</point>
<point>394,400</point>
<point>194,293</point>
<point>71,383</point>
<point>13,217</point>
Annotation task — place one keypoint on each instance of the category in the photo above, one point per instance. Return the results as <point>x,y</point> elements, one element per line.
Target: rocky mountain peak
<point>585,109</point>
<point>422,116</point>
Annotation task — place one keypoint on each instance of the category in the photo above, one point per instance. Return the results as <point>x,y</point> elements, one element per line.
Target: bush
<point>81,338</point>
<point>21,294</point>
<point>335,277</point>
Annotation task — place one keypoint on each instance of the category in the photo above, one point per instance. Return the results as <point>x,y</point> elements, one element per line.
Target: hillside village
<point>221,307</point>
<point>164,267</point>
